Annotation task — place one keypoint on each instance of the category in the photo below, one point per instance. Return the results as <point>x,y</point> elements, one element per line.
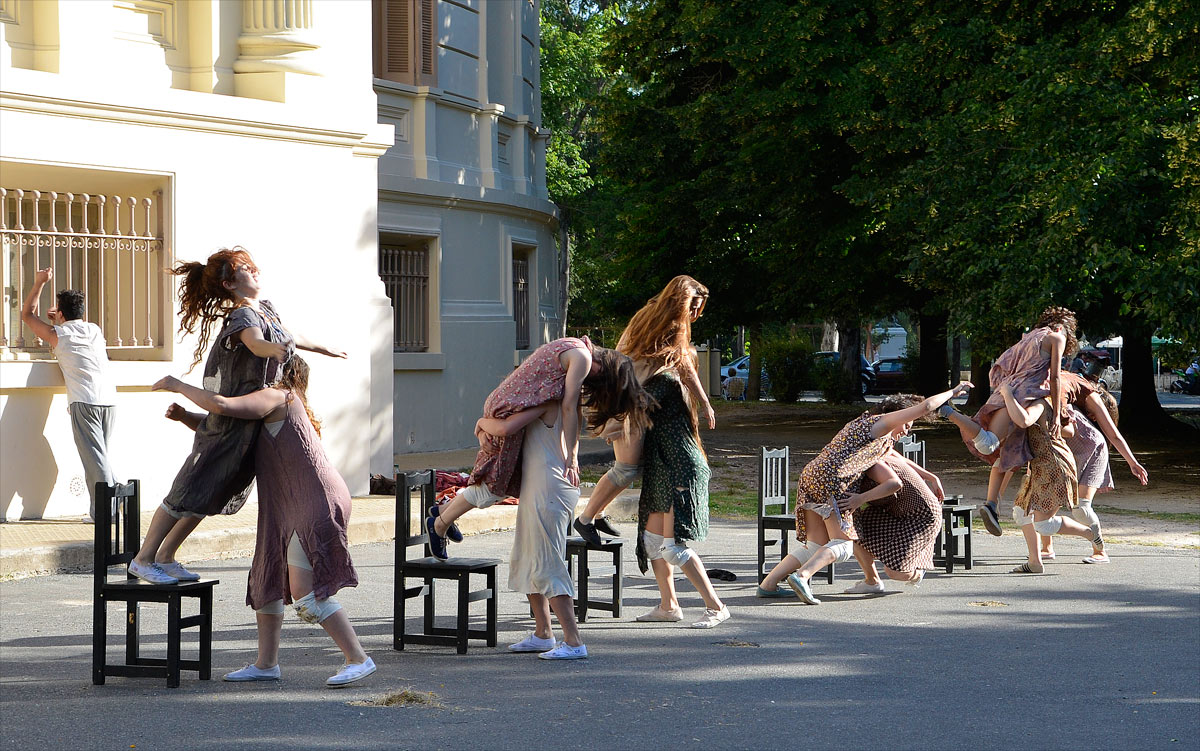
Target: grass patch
<point>587,474</point>
<point>1181,518</point>
<point>736,503</point>
<point>403,698</point>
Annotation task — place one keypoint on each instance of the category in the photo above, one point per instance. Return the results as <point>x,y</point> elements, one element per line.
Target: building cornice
<point>413,191</point>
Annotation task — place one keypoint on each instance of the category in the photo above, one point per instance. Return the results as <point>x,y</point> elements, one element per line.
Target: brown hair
<point>295,379</point>
<point>662,330</point>
<point>1110,402</point>
<point>1057,315</point>
<point>896,402</point>
<point>203,298</point>
<point>614,392</point>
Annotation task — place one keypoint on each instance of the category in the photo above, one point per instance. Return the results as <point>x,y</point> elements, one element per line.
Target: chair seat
<point>778,521</point>
<point>138,585</point>
<point>429,563</point>
<point>611,544</point>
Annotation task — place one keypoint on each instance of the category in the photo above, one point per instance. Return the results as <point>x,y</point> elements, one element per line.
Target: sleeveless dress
<point>539,552</point>
<point>537,380</point>
<point>298,491</point>
<point>837,470</point>
<point>1051,480</point>
<point>1090,449</point>
<point>1027,370</point>
<point>901,530</point>
<point>672,459</point>
<point>217,476</point>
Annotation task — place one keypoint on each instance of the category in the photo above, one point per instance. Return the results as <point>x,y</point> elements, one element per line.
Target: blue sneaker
<point>453,533</point>
<point>767,593</point>
<point>802,589</point>
<point>437,543</point>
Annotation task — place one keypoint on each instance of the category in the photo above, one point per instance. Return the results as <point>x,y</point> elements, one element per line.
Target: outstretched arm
<point>310,346</point>
<point>1095,408</point>
<point>888,484</point>
<point>890,421</point>
<point>29,311</point>
<point>253,406</point>
<point>179,414</point>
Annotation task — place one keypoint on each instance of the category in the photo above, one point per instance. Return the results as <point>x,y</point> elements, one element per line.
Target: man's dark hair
<point>71,305</point>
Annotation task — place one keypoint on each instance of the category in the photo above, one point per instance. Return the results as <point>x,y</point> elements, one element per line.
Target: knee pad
<point>312,610</point>
<point>478,495</point>
<point>653,544</point>
<point>1084,514</point>
<point>986,442</point>
<point>805,552</point>
<point>676,554</point>
<point>842,549</point>
<point>1020,518</point>
<point>274,607</point>
<point>1048,527</point>
<point>622,475</point>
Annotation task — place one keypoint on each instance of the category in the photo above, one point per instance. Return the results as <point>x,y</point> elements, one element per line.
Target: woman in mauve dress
<point>301,553</point>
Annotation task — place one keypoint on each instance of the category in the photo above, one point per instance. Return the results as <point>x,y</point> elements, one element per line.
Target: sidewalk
<point>46,546</point>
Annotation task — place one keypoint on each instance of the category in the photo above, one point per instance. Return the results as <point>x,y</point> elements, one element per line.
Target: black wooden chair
<point>956,525</point>
<point>429,570</point>
<point>118,537</point>
<point>774,507</point>
<point>578,548</point>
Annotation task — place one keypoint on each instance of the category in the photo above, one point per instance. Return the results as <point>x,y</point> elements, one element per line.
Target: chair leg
<point>581,609</point>
<point>492,603</point>
<point>206,636</point>
<point>617,578</point>
<point>967,543</point>
<point>173,639</point>
<point>464,607</point>
<point>99,638</point>
<point>132,633</point>
<point>398,612</point>
<point>429,605</point>
<point>762,552</point>
<point>951,548</point>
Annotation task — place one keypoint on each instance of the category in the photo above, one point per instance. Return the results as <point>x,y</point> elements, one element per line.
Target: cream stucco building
<point>137,133</point>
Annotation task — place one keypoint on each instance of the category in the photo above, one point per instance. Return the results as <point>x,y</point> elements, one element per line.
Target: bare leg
<point>179,532</point>
<point>625,451</point>
<point>902,576</point>
<point>1086,494</point>
<point>824,556</point>
<point>1069,526</point>
<point>814,528</point>
<point>448,513</point>
<point>269,626</point>
<point>967,427</point>
<point>867,561</point>
<point>997,484</point>
<point>160,526</point>
<point>541,616</point>
<point>337,625</point>
<point>662,570</point>
<point>695,573</point>
<point>1031,544</point>
<point>564,610</point>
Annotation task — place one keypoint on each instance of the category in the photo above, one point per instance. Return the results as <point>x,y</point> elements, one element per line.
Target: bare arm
<point>29,311</point>
<point>179,414</point>
<point>1057,343</point>
<point>578,363</point>
<point>1095,408</point>
<point>1022,417</point>
<point>510,425</point>
<point>253,406</point>
<point>889,484</point>
<point>310,346</point>
<point>891,421</point>
<point>253,339</point>
<point>691,381</point>
<point>932,480</point>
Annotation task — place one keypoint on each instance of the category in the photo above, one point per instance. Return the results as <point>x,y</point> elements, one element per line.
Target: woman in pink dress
<point>301,553</point>
<point>571,371</point>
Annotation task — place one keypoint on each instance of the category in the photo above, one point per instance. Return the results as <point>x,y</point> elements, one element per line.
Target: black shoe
<point>602,525</point>
<point>453,533</point>
<point>437,543</point>
<point>991,521</point>
<point>588,533</point>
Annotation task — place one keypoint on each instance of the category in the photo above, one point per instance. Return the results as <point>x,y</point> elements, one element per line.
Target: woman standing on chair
<point>828,489</point>
<point>657,338</point>
<point>301,553</point>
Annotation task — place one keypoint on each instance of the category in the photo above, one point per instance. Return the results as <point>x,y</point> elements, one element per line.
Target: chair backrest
<point>773,480</point>
<point>118,532</point>
<point>736,388</point>
<point>912,449</point>
<point>410,485</point>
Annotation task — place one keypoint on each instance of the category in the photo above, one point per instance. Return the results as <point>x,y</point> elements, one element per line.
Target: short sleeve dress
<point>837,470</point>
<point>537,380</point>
<point>1027,370</point>
<point>217,476</point>
<point>1052,478</point>
<point>900,530</point>
<point>675,471</point>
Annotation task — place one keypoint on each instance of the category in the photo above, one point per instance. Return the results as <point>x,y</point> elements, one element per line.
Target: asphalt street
<point>1082,657</point>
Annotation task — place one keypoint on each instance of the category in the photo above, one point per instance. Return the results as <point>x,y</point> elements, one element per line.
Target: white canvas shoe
<point>532,643</point>
<point>565,651</point>
<point>252,673</point>
<point>862,588</point>
<point>351,672</point>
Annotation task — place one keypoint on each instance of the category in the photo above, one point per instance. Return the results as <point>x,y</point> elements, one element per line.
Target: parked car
<point>890,377</point>
<point>741,369</point>
<point>834,357</point>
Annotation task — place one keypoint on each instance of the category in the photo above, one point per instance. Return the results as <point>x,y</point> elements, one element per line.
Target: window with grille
<point>108,246</point>
<point>404,269</point>
<point>520,276</point>
<point>405,44</point>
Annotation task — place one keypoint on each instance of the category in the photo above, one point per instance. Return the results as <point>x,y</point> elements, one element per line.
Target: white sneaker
<point>351,672</point>
<point>176,569</point>
<point>532,643</point>
<point>152,573</point>
<point>862,588</point>
<point>252,673</point>
<point>658,615</point>
<point>565,651</point>
<point>712,617</point>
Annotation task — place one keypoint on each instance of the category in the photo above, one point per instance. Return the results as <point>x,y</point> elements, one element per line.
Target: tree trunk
<point>850,349</point>
<point>754,378</point>
<point>829,336</point>
<point>1140,411</point>
<point>979,377</point>
<point>934,368</point>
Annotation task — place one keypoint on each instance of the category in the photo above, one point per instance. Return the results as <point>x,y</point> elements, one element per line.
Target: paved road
<point>1083,657</point>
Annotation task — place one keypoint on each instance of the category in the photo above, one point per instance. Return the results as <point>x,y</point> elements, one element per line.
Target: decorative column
<point>276,37</point>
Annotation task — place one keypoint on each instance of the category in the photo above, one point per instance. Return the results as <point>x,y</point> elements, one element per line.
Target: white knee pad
<point>312,610</point>
<point>986,442</point>
<point>274,607</point>
<point>1049,526</point>
<point>1020,518</point>
<point>805,552</point>
<point>478,495</point>
<point>1084,514</point>
<point>653,544</point>
<point>676,553</point>
<point>843,549</point>
<point>622,475</point>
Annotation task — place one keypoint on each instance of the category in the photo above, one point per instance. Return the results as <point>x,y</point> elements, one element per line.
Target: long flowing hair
<point>203,299</point>
<point>661,331</point>
<point>1060,316</point>
<point>615,393</point>
<point>295,379</point>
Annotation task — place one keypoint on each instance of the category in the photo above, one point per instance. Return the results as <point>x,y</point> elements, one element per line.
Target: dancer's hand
<point>43,276</point>
<point>169,383</point>
<point>175,412</point>
<point>571,472</point>
<point>962,388</point>
<point>1139,472</point>
<point>936,486</point>
<point>711,416</point>
<point>850,502</point>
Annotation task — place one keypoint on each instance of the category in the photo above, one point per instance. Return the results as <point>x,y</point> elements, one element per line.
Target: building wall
<point>258,133</point>
<point>467,174</point>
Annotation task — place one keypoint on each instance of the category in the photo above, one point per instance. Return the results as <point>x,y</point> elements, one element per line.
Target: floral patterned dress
<point>1027,370</point>
<point>537,380</point>
<point>1051,481</point>
<point>837,470</point>
<point>901,530</point>
<point>675,472</point>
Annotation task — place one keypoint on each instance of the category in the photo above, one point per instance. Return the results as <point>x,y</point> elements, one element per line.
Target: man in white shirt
<point>83,357</point>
